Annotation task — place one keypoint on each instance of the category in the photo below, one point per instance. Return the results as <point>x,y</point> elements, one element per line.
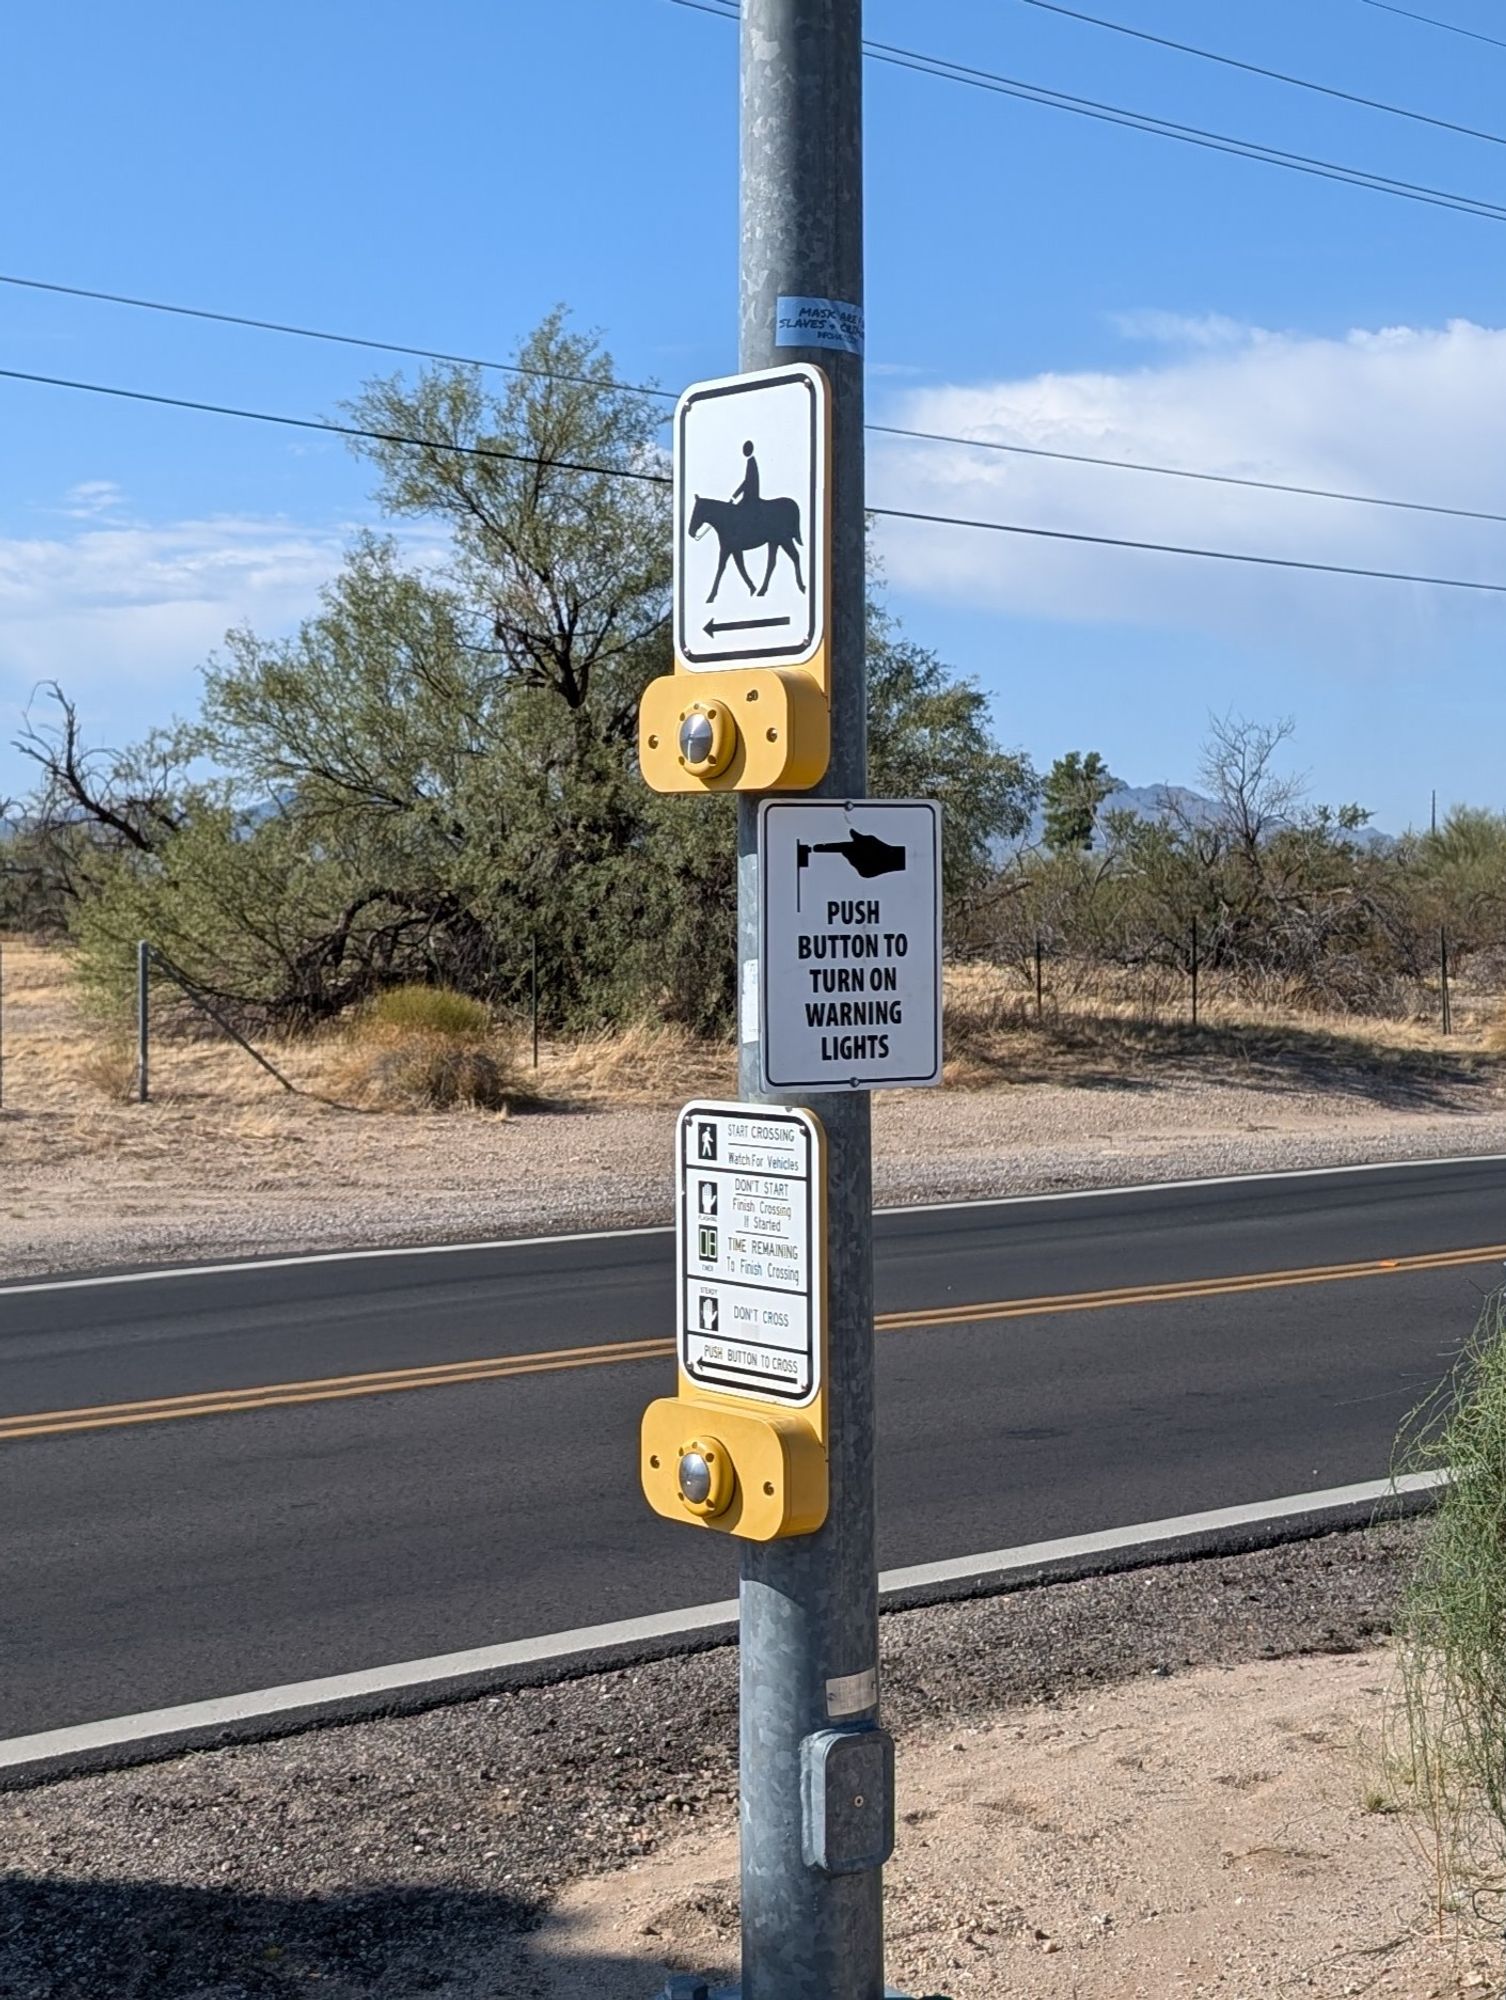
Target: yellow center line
<point>390,1381</point>
<point>1191,1288</point>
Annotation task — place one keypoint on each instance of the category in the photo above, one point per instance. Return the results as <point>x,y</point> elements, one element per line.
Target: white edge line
<point>20,1751</point>
<point>153,1274</point>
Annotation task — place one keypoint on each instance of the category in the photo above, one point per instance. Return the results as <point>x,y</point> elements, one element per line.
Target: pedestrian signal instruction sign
<point>751,1241</point>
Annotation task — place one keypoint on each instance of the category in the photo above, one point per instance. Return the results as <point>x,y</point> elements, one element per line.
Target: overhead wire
<point>663,479</point>
<point>1274,75</point>
<point>883,430</point>
<point>1183,472</point>
<point>337,430</point>
<point>1432,21</point>
<point>948,71</point>
<point>323,333</point>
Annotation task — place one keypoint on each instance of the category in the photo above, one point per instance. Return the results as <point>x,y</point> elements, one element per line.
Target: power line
<point>663,479</point>
<point>1163,128</point>
<point>1275,75</point>
<point>1181,549</point>
<point>1181,472</point>
<point>1432,21</point>
<point>337,430</point>
<point>339,339</point>
<point>628,388</point>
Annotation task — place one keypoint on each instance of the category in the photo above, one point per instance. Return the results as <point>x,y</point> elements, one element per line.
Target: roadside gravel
<point>416,1856</point>
<point>153,1185</point>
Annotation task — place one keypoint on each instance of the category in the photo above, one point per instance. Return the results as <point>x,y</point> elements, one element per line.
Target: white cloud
<point>91,498</point>
<point>133,610</point>
<point>124,614</point>
<point>1413,413</point>
<point>1167,329</point>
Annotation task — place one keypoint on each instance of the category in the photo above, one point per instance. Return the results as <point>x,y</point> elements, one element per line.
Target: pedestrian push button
<point>707,1481</point>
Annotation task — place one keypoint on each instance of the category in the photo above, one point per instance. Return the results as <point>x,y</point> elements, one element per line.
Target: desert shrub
<point>428,1048</point>
<point>403,1069</point>
<point>1452,1628</point>
<point>430,1010</point>
<point>430,1073</point>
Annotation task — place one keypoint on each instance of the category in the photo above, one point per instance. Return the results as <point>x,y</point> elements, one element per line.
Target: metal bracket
<point>847,1799</point>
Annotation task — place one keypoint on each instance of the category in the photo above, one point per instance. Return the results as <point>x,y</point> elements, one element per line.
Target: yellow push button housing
<point>734,729</point>
<point>768,1467</point>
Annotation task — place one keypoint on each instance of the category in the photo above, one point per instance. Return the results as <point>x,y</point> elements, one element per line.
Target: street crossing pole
<point>809,1603</point>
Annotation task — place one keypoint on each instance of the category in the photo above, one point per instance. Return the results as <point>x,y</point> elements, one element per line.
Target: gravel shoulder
<point>291,1176</point>
<point>1123,1745</point>
<point>224,1163</point>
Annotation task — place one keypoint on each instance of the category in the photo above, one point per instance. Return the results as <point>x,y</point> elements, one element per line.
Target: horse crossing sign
<point>750,519</point>
<point>746,707</point>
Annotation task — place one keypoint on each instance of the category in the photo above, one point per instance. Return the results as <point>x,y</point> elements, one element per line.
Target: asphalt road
<point>156,1556</point>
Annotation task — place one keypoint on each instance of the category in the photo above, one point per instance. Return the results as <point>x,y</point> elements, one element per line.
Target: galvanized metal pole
<point>143,1016</point>
<point>810,1603</point>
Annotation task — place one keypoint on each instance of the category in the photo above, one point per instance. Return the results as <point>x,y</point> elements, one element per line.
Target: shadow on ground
<point>114,1940</point>
<point>1131,1055</point>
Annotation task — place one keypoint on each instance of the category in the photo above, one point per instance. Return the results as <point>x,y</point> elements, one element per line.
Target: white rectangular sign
<point>750,506</point>
<point>849,898</point>
<point>751,1250</point>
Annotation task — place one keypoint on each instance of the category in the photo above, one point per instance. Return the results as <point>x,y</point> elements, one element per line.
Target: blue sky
<point>444,175</point>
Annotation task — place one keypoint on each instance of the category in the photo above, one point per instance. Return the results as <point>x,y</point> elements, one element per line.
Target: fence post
<point>143,1016</point>
<point>1040,989</point>
<point>533,990</point>
<point>1194,971</point>
<point>1448,1005</point>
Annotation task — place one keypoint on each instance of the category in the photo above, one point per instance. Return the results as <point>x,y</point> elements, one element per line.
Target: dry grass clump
<point>1449,1737</point>
<point>429,1073</point>
<point>648,1062</point>
<point>427,1048</point>
<point>108,1067</point>
<point>1495,1034</point>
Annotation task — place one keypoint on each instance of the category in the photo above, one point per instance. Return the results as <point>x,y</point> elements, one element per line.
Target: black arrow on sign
<point>715,625</point>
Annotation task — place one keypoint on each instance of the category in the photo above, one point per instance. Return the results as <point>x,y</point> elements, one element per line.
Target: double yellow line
<point>1189,1288</point>
<point>607,1354</point>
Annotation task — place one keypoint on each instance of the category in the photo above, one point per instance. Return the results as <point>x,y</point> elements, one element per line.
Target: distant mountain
<point>1159,802</point>
<point>1145,801</point>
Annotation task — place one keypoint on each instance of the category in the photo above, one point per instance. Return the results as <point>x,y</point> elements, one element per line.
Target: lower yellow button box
<point>755,1473</point>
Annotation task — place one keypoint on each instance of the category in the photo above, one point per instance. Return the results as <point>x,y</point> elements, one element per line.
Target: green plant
<point>1451,1632</point>
<point>430,1010</point>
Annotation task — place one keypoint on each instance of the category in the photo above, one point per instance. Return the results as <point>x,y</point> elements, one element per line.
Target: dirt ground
<point>1228,1832</point>
<point>224,1162</point>
<point>1158,1782</point>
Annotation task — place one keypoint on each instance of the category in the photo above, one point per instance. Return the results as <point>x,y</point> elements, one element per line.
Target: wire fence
<point>147,956</point>
<point>1180,984</point>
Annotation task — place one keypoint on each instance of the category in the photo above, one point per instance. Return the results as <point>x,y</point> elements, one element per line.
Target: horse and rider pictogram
<point>751,496</point>
<point>746,522</point>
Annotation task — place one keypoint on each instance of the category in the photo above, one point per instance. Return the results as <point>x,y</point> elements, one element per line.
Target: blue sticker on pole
<point>819,323</point>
